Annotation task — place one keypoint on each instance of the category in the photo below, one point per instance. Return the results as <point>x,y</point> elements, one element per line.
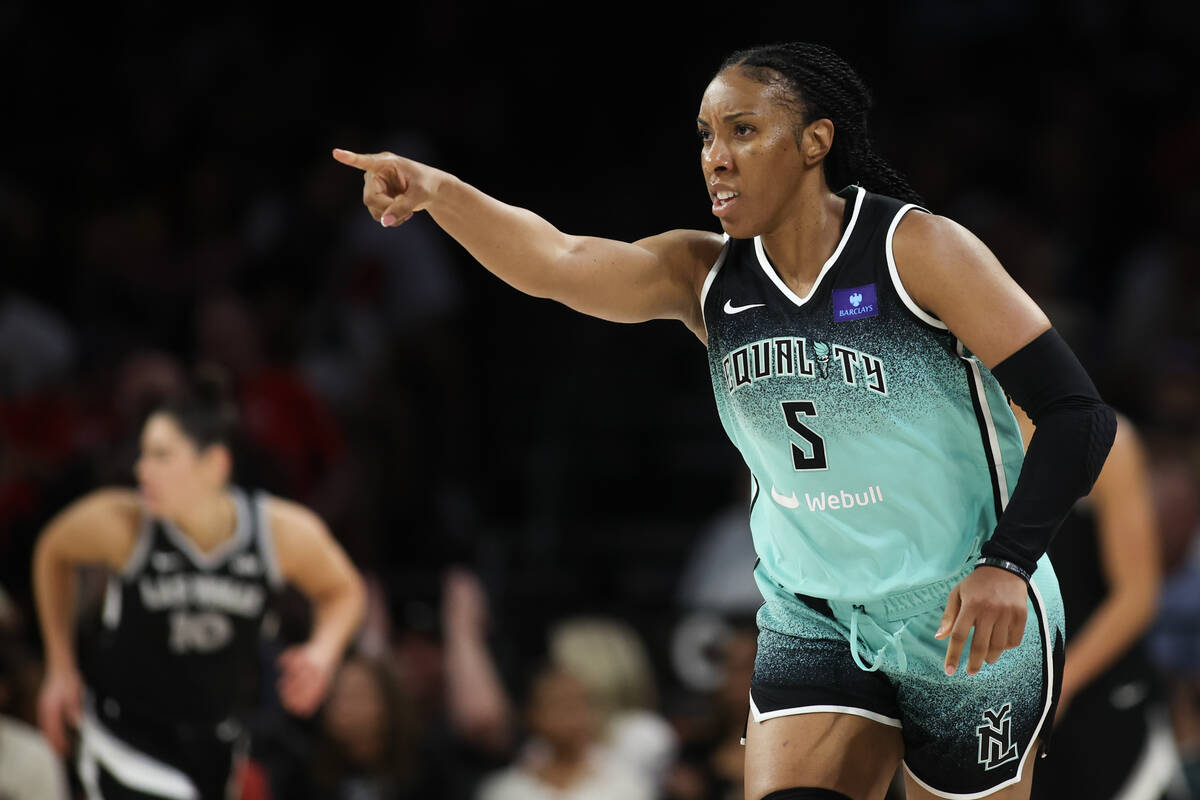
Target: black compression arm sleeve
<point>1075,430</point>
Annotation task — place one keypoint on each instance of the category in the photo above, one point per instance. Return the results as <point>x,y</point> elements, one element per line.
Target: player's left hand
<point>993,602</point>
<point>306,670</point>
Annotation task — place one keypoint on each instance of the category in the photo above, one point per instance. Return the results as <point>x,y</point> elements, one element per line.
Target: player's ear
<point>217,463</point>
<point>815,140</point>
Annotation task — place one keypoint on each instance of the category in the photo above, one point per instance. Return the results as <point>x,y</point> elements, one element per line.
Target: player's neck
<point>209,522</point>
<point>809,233</point>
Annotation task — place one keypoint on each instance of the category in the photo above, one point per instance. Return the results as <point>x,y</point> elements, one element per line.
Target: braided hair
<point>815,83</point>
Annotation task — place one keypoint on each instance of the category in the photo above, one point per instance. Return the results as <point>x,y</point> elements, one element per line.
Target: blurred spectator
<point>369,748</point>
<point>1175,637</point>
<point>440,692</point>
<point>561,761</point>
<point>608,658</point>
<point>479,708</point>
<point>712,759</point>
<point>29,767</point>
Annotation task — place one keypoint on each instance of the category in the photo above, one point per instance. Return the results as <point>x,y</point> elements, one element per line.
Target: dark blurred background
<point>167,197</point>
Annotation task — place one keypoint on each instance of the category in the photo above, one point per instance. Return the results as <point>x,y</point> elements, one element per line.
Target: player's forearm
<point>54,588</point>
<point>337,615</point>
<point>514,244</point>
<point>1074,430</point>
<point>478,704</point>
<point>1109,632</point>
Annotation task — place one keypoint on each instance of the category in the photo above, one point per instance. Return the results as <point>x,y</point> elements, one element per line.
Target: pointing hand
<point>394,188</point>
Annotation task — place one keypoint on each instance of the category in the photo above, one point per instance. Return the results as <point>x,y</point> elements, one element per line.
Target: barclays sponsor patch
<point>856,303</point>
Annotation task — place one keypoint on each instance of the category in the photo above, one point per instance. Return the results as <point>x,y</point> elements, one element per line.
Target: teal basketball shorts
<point>965,736</point>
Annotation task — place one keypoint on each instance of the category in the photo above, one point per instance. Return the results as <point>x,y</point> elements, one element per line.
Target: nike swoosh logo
<point>1129,695</point>
<point>730,308</point>
<point>784,500</point>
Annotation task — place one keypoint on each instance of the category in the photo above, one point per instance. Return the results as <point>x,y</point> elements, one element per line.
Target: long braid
<point>816,83</point>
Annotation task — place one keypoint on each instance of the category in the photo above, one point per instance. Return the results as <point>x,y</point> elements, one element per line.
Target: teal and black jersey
<point>882,451</point>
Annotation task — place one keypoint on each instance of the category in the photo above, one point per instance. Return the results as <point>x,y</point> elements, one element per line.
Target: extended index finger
<point>352,159</point>
<point>958,639</point>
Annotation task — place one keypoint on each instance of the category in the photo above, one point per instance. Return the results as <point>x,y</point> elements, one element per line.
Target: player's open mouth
<point>723,201</point>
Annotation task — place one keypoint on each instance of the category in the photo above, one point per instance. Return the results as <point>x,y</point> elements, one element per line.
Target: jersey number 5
<point>792,411</point>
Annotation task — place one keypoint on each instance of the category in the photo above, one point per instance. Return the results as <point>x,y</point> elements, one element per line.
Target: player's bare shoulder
<point>689,256</point>
<point>686,251</point>
<point>297,533</point>
<point>933,252</point>
<point>925,243</point>
<point>119,502</point>
<point>290,521</point>
<point>99,528</point>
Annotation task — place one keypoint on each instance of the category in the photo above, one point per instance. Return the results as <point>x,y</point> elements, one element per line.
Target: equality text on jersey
<point>797,356</point>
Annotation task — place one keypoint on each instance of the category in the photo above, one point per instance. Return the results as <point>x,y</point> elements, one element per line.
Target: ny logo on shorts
<point>996,746</point>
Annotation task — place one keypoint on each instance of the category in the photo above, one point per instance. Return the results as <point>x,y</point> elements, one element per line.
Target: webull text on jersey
<point>843,499</point>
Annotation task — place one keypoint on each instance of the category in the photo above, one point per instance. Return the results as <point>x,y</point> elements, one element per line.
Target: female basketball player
<point>855,349</point>
<point>192,562</point>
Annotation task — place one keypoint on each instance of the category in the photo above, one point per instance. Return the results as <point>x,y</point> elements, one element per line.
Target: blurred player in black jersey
<point>193,561</point>
<point>1112,740</point>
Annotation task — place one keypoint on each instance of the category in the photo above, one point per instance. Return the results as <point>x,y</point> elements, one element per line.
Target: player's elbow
<point>1102,431</point>
<point>1144,602</point>
<point>355,592</point>
<point>49,551</point>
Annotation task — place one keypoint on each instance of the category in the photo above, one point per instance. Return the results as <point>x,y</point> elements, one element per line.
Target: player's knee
<point>806,793</point>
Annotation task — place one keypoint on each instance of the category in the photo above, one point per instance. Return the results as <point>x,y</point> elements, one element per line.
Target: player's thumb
<point>953,604</point>
<point>397,213</point>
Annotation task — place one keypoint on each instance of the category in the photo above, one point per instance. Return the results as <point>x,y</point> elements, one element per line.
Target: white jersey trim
<point>131,767</point>
<point>111,614</point>
<point>89,774</point>
<point>141,548</point>
<point>266,544</point>
<point>993,437</point>
<point>708,281</point>
<point>760,716</point>
<point>919,312</point>
<point>765,262</point>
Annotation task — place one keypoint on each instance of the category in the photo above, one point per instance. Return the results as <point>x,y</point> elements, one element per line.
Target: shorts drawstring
<point>890,640</point>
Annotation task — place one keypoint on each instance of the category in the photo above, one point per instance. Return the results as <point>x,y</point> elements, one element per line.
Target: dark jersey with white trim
<point>882,451</point>
<point>180,628</point>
